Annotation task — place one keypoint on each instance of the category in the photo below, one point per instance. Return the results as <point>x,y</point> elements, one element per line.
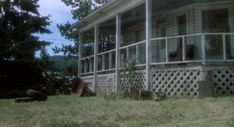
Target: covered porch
<point>169,40</point>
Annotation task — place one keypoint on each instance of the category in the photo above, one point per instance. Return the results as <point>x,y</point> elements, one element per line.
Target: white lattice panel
<point>183,82</point>
<point>139,79</point>
<point>90,80</point>
<point>224,81</point>
<point>107,83</point>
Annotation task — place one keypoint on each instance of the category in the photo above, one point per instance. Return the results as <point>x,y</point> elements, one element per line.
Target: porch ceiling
<point>158,7</point>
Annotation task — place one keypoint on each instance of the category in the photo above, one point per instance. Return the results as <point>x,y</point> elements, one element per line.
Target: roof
<point>96,13</point>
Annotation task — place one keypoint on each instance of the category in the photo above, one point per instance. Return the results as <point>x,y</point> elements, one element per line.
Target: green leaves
<point>80,9</point>
<point>19,21</point>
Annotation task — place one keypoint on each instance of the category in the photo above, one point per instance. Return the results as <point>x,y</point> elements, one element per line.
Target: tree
<point>20,21</point>
<point>80,9</point>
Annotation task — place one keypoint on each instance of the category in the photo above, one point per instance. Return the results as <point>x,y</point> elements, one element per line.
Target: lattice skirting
<point>107,83</point>
<point>175,82</point>
<point>224,81</point>
<point>139,79</point>
<point>180,82</point>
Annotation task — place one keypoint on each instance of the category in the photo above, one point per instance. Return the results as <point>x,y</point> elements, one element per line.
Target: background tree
<point>20,21</point>
<point>80,9</point>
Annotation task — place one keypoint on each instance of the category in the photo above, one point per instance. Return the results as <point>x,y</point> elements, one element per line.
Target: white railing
<point>200,39</point>
<point>87,66</point>
<point>137,53</point>
<point>103,62</point>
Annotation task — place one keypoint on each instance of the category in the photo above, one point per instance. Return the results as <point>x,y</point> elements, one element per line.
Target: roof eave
<point>78,24</point>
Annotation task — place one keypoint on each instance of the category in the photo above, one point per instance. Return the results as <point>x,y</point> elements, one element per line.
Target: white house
<point>176,44</point>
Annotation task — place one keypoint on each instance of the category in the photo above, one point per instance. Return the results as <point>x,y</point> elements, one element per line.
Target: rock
<point>24,99</point>
<point>36,95</point>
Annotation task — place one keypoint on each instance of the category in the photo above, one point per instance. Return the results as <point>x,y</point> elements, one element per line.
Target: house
<point>178,45</point>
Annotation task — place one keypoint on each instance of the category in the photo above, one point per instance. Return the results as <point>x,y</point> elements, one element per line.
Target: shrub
<point>130,86</point>
<point>57,84</point>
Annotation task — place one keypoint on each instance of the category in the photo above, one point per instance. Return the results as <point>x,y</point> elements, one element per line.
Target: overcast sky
<point>60,14</point>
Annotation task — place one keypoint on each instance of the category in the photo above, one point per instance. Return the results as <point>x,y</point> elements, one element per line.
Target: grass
<point>68,111</point>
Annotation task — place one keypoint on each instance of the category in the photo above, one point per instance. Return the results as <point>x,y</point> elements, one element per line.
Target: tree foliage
<point>20,21</point>
<point>80,9</point>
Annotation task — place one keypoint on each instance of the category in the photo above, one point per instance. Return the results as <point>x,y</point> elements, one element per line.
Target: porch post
<point>80,55</point>
<point>117,54</point>
<point>203,46</point>
<point>148,47</point>
<point>96,32</point>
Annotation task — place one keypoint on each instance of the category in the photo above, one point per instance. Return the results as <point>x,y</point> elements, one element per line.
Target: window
<point>215,21</point>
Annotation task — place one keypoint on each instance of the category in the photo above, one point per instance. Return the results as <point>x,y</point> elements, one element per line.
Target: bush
<point>57,84</point>
<point>130,86</point>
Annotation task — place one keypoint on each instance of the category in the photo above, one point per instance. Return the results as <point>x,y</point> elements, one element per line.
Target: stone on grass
<point>32,95</point>
<point>36,95</point>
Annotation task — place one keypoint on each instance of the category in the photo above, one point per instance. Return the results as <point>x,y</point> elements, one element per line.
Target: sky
<point>60,14</point>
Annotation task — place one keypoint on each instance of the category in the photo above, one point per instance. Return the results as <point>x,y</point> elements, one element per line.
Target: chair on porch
<point>178,54</point>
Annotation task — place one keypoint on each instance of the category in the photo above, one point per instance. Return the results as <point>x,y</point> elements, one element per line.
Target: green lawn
<point>68,111</point>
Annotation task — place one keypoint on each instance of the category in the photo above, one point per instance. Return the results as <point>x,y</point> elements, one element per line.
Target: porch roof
<point>97,12</point>
<point>108,10</point>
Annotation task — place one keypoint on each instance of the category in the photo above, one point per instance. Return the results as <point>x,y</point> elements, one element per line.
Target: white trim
<point>80,55</point>
<point>117,52</point>
<point>131,45</point>
<point>106,52</point>
<point>96,35</point>
<point>108,70</point>
<point>148,42</point>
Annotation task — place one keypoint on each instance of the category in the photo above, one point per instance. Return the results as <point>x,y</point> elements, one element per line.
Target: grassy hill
<point>68,111</point>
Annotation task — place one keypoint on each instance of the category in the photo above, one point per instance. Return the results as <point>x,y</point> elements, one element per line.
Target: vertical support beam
<point>138,61</point>
<point>80,54</point>
<point>96,31</point>
<point>90,64</point>
<point>127,53</point>
<point>117,52</point>
<point>148,43</point>
<point>110,60</point>
<point>203,46</point>
<point>183,49</point>
<point>103,62</point>
<point>166,49</point>
<point>224,48</point>
<point>85,66</point>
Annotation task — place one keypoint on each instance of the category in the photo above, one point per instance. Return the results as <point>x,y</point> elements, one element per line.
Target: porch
<point>172,47</point>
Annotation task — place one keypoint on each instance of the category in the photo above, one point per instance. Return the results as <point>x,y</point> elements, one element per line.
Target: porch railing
<point>208,47</point>
<point>202,44</point>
